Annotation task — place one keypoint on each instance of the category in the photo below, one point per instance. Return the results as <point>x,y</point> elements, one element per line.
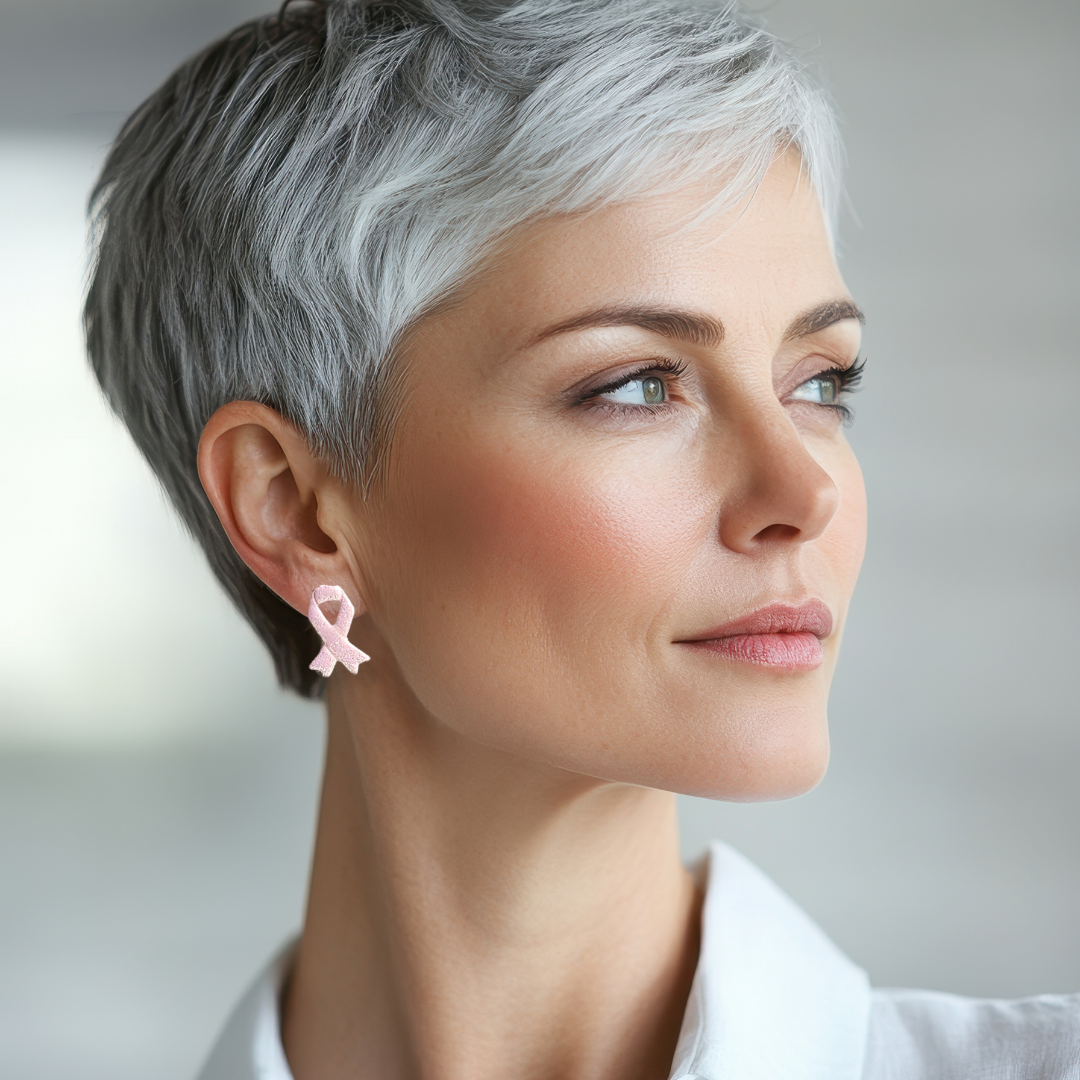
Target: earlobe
<point>265,485</point>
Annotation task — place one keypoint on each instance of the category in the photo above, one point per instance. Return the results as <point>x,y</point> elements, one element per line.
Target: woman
<point>516,330</point>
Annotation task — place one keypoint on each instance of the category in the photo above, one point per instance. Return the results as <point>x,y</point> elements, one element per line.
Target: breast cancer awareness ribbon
<point>335,635</point>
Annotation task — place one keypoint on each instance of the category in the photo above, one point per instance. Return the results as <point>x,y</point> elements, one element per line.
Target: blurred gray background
<point>157,793</point>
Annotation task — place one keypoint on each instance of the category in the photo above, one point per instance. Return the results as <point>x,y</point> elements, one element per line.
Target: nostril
<point>776,532</point>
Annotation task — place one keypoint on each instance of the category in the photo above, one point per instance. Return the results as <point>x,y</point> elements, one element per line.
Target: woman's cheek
<point>847,537</point>
<point>564,541</point>
<point>835,558</point>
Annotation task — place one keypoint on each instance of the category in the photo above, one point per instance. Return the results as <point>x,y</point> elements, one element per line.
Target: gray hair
<point>272,220</point>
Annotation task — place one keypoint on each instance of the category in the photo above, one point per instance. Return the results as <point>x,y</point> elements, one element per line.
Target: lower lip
<point>793,652</point>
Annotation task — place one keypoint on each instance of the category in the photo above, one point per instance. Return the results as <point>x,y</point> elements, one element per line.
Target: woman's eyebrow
<point>822,316</point>
<point>691,326</point>
<point>696,327</point>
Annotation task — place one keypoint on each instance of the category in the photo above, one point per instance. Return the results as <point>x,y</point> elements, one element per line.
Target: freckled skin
<point>532,563</point>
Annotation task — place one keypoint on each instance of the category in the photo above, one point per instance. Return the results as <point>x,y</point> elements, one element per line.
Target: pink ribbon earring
<point>335,635</point>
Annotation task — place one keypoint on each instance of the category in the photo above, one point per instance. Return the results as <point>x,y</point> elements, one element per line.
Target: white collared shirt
<point>774,999</point>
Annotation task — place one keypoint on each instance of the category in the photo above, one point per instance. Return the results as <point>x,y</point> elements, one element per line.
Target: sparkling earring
<point>335,635</point>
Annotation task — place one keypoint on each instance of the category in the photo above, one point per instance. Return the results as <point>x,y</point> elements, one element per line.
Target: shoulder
<point>924,1035</point>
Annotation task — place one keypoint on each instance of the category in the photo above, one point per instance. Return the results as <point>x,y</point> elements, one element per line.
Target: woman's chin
<point>773,762</point>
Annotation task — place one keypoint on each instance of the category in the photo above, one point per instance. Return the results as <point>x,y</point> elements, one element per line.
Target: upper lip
<point>808,617</point>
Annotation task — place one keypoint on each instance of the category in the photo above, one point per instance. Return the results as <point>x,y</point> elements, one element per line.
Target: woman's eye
<point>820,390</point>
<point>649,390</point>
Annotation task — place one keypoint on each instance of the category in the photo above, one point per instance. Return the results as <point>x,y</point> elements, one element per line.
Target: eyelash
<point>849,380</point>
<point>660,366</point>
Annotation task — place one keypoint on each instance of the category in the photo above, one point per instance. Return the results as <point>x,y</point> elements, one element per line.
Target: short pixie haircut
<point>272,221</point>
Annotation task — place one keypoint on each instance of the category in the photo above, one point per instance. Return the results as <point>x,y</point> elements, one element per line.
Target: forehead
<point>772,251</point>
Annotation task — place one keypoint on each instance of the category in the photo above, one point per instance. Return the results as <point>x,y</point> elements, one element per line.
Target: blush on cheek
<point>568,542</point>
<point>844,543</point>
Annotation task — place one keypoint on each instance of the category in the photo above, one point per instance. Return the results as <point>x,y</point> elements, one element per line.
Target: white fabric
<point>922,1035</point>
<point>774,999</point>
<point>772,996</point>
<point>249,1048</point>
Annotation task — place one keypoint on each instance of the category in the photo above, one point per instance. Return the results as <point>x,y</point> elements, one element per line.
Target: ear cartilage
<point>335,635</point>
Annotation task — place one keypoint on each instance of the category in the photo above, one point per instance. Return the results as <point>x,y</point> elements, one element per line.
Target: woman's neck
<point>475,916</point>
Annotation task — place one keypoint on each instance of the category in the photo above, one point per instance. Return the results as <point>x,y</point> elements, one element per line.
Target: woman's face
<point>615,451</point>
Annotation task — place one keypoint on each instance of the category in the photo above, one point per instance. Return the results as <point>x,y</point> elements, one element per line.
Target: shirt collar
<point>249,1047</point>
<point>772,997</point>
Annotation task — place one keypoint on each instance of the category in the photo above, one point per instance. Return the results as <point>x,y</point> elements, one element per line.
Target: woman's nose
<point>782,494</point>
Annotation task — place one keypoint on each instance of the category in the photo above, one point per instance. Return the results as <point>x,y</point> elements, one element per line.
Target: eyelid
<point>849,378</point>
<point>657,365</point>
<point>849,374</point>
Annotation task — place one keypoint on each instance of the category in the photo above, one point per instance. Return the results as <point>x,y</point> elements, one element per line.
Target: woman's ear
<point>266,486</point>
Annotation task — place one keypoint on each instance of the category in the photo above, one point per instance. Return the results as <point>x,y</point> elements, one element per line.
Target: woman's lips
<point>777,635</point>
